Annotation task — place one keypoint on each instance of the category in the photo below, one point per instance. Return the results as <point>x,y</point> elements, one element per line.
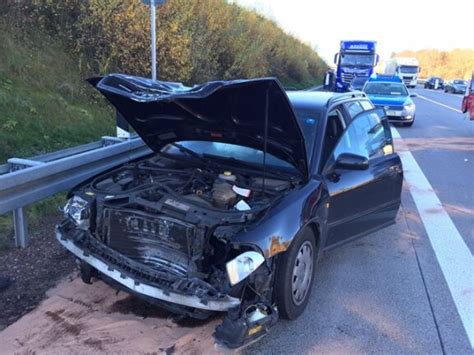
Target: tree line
<point>198,40</point>
<point>454,64</point>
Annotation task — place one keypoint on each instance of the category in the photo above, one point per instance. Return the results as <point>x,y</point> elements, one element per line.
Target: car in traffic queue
<point>434,82</point>
<point>358,82</point>
<point>391,94</point>
<point>247,185</point>
<point>456,86</point>
<point>468,100</point>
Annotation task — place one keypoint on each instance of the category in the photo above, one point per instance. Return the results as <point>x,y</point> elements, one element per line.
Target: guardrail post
<point>21,231</point>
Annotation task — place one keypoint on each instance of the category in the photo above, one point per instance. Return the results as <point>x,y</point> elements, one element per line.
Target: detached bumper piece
<point>245,325</point>
<point>140,280</point>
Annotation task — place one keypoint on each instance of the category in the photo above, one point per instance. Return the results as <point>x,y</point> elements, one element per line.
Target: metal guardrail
<point>316,88</point>
<point>24,181</point>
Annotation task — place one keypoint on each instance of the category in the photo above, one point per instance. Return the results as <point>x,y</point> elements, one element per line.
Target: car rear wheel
<point>295,275</point>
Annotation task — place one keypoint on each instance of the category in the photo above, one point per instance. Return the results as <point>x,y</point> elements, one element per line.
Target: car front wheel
<point>295,275</point>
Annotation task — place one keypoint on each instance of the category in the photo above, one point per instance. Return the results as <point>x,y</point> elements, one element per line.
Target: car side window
<point>366,105</point>
<point>353,108</point>
<point>368,135</point>
<point>335,127</point>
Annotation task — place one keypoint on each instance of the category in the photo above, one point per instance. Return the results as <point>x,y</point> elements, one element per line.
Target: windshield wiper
<point>192,153</point>
<point>241,163</point>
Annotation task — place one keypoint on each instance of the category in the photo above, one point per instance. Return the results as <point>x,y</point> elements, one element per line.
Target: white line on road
<point>440,104</point>
<point>454,257</point>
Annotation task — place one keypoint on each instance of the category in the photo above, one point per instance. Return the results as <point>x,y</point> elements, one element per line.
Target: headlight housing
<point>408,110</point>
<point>77,209</point>
<point>243,265</point>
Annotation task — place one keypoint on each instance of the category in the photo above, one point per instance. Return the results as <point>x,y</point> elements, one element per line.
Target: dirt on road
<point>33,270</point>
<point>76,318</point>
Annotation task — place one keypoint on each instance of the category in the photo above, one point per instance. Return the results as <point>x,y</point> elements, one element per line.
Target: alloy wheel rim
<point>302,273</point>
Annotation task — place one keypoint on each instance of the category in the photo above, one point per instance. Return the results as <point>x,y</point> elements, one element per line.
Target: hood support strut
<point>265,138</point>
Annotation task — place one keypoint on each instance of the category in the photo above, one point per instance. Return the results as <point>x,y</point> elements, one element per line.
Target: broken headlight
<point>243,265</point>
<point>77,209</point>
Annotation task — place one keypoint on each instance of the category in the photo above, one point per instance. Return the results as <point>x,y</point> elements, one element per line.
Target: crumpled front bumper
<point>223,304</point>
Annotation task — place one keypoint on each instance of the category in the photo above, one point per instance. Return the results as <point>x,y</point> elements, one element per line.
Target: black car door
<point>362,197</point>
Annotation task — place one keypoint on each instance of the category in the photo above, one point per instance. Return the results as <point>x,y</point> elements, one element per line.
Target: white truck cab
<point>406,68</point>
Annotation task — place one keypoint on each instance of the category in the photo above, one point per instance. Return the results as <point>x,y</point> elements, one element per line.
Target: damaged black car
<point>246,186</point>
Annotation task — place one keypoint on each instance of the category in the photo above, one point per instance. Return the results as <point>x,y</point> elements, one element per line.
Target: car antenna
<point>265,138</point>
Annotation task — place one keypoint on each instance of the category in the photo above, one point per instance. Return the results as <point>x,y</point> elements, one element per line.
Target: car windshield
<point>460,82</point>
<point>410,69</point>
<point>390,89</point>
<point>307,122</point>
<point>357,59</point>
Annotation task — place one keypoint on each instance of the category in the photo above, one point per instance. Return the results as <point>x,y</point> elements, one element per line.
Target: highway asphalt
<point>387,293</point>
<point>442,142</point>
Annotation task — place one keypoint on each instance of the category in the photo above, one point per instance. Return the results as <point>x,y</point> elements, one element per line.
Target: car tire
<point>295,275</point>
<point>409,124</point>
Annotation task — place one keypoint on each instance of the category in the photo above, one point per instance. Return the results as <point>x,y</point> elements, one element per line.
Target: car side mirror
<point>413,95</point>
<point>352,162</point>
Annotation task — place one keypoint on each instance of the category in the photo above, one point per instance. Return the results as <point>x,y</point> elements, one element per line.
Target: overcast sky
<point>395,25</point>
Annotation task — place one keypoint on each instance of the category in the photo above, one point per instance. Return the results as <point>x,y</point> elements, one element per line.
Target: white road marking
<point>440,104</point>
<point>454,257</point>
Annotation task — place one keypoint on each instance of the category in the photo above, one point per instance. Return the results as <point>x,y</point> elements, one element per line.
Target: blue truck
<point>355,59</point>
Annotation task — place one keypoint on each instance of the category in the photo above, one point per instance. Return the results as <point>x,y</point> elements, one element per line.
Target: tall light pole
<point>153,4</point>
<point>122,127</point>
<point>153,38</point>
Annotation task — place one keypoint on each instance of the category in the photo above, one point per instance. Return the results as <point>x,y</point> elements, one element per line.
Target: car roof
<point>384,82</point>
<point>385,78</point>
<point>311,100</point>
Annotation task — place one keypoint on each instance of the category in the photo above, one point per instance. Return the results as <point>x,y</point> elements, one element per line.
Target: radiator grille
<point>158,241</point>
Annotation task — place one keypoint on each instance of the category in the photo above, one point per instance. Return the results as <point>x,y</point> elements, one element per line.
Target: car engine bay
<point>208,187</point>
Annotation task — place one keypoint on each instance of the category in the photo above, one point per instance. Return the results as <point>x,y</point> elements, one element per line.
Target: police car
<point>390,93</point>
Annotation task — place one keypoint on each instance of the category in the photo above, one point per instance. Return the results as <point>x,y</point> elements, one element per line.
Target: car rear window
<point>353,108</point>
<point>385,88</point>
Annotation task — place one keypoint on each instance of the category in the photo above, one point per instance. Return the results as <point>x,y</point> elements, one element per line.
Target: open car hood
<point>224,111</point>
